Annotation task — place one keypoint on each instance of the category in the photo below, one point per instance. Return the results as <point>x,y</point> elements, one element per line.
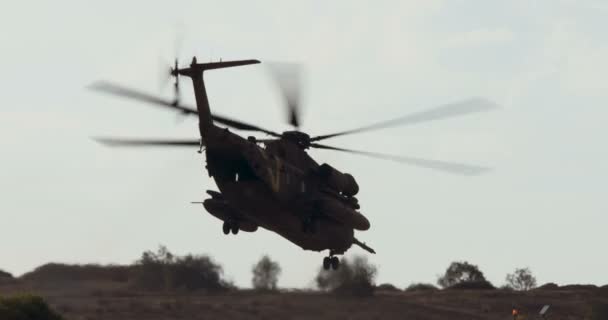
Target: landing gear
<point>326,263</point>
<point>335,263</point>
<point>230,226</point>
<point>331,262</point>
<point>234,228</point>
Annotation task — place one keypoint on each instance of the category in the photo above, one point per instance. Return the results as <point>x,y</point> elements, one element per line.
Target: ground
<point>97,300</point>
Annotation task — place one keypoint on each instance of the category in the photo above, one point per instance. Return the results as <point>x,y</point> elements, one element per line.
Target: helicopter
<point>274,183</point>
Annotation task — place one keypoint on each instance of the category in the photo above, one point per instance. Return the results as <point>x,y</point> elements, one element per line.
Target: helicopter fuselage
<point>275,187</point>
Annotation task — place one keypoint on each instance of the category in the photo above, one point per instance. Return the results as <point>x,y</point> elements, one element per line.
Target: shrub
<point>420,287</point>
<point>521,280</point>
<point>26,307</point>
<point>354,277</point>
<point>6,278</point>
<point>265,274</point>
<point>459,272</point>
<point>52,272</point>
<point>5,275</point>
<point>162,270</point>
<point>472,285</point>
<point>387,287</point>
<point>579,287</point>
<point>548,286</point>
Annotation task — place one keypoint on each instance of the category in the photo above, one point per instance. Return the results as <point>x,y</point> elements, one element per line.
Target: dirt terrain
<point>99,300</point>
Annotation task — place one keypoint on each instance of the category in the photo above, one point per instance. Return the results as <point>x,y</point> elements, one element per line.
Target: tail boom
<point>195,72</point>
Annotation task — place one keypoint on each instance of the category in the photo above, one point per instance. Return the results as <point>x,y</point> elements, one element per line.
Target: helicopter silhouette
<point>274,183</point>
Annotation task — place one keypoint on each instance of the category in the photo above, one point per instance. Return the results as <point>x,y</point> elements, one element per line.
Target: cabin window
<point>232,169</point>
<point>303,187</point>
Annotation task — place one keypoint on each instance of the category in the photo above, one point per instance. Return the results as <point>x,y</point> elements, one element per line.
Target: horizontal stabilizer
<point>224,64</point>
<point>195,67</point>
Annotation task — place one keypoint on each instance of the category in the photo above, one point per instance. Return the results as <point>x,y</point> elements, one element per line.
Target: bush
<point>26,307</point>
<point>548,286</point>
<point>420,287</point>
<point>387,287</point>
<point>521,280</point>
<point>162,270</point>
<point>352,278</point>
<point>52,272</point>
<point>265,274</point>
<point>472,285</point>
<point>579,287</point>
<point>5,275</point>
<point>6,278</point>
<point>459,272</point>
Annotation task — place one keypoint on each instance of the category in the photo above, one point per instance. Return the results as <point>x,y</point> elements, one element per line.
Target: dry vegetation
<point>87,303</point>
<point>163,286</point>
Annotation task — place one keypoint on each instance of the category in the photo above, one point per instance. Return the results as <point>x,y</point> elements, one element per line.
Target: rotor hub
<point>300,138</point>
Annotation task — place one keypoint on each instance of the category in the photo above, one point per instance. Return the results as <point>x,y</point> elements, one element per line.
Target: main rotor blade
<point>124,142</point>
<point>445,111</point>
<point>118,90</point>
<point>450,167</point>
<point>287,76</point>
<point>242,125</point>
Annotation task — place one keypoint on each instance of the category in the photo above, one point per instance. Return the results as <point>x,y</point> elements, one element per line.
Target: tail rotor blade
<point>175,74</point>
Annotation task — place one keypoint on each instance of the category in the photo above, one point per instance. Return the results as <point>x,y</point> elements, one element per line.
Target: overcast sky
<point>67,199</point>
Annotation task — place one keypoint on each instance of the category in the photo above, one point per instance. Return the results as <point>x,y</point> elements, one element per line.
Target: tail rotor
<point>174,72</point>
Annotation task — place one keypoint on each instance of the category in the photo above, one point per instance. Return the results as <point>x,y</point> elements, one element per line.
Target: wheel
<point>235,228</point>
<point>326,263</point>
<point>226,227</point>
<point>335,263</point>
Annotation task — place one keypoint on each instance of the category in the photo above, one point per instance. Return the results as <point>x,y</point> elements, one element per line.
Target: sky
<point>68,199</point>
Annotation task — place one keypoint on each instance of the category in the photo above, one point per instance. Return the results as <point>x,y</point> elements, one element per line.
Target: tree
<point>521,279</point>
<point>354,277</point>
<point>460,272</point>
<point>265,274</point>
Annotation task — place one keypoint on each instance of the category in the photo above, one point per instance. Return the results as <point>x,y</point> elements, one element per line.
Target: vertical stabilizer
<point>195,72</point>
